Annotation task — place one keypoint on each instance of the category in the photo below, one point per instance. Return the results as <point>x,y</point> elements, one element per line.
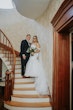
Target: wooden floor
<point>2,99</point>
<point>2,103</point>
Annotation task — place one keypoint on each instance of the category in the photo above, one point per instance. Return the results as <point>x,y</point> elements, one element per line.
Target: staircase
<point>24,96</point>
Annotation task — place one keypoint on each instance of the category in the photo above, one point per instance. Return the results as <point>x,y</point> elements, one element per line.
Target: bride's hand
<point>32,53</point>
<point>37,51</point>
<point>37,48</point>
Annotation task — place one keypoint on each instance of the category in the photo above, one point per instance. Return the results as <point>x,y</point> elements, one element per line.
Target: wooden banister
<point>6,45</point>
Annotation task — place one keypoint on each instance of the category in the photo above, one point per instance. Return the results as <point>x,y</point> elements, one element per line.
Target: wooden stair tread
<point>23,89</point>
<point>31,96</point>
<point>28,104</point>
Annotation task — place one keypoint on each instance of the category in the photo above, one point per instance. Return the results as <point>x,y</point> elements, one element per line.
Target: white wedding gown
<point>35,69</point>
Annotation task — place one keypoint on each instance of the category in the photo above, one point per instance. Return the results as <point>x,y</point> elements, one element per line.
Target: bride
<point>34,68</point>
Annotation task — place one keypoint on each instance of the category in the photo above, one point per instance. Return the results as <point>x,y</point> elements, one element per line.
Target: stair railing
<point>9,52</point>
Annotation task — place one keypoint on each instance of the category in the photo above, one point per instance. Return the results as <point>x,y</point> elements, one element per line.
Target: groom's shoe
<point>26,76</point>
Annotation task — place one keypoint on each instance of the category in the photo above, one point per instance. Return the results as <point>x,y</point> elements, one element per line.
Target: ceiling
<point>31,8</point>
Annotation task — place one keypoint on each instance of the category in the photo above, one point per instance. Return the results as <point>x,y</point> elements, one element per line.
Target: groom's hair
<point>28,35</point>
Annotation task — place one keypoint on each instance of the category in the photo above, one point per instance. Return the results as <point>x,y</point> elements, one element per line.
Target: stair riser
<point>18,58</point>
<point>18,70</point>
<point>17,66</point>
<point>18,62</point>
<point>30,99</point>
<point>18,75</point>
<point>25,92</point>
<point>26,108</point>
<point>24,80</point>
<point>24,85</point>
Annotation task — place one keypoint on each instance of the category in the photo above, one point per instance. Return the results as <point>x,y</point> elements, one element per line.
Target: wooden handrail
<point>6,37</point>
<point>5,44</point>
<point>9,46</point>
<point>17,53</point>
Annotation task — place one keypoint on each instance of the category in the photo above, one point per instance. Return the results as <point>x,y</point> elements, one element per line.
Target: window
<point>6,4</point>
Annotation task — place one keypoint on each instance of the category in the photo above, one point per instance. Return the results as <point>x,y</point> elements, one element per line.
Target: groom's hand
<point>24,56</point>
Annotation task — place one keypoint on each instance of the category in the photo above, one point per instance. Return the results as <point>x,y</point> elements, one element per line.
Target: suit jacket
<point>24,46</point>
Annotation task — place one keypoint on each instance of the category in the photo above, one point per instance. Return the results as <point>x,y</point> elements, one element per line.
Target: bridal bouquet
<point>31,51</point>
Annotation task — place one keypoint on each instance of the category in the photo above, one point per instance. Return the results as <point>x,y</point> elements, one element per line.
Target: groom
<point>23,53</point>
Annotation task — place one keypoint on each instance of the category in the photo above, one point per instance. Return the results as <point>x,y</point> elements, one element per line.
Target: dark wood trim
<point>64,17</point>
<point>0,68</point>
<point>8,86</point>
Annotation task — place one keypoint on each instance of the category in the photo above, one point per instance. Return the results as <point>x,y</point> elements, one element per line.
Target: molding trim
<point>63,19</point>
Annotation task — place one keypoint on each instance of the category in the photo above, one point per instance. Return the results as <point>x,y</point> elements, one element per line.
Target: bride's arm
<point>38,48</point>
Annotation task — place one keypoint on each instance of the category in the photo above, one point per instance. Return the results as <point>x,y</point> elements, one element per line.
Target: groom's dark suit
<point>24,47</point>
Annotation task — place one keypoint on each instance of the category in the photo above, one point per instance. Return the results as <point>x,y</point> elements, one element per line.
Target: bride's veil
<point>42,64</point>
<point>42,81</point>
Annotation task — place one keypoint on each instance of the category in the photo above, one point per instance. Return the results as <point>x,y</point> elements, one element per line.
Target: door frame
<point>62,23</point>
<point>71,69</point>
<point>0,68</point>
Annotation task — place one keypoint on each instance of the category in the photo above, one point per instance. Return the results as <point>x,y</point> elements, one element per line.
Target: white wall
<point>45,20</point>
<point>47,16</point>
<point>16,27</point>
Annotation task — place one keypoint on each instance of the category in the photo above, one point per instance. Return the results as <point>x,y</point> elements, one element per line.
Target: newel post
<point>8,86</point>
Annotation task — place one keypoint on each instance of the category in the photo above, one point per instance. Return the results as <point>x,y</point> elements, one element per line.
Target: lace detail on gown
<point>35,69</point>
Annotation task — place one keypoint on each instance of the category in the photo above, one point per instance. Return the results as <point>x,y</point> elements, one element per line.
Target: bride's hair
<point>35,37</point>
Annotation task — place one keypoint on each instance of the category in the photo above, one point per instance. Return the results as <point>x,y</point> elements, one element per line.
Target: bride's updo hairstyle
<point>35,39</point>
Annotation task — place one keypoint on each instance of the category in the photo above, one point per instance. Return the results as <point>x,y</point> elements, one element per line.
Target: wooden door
<point>61,81</point>
<point>62,23</point>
